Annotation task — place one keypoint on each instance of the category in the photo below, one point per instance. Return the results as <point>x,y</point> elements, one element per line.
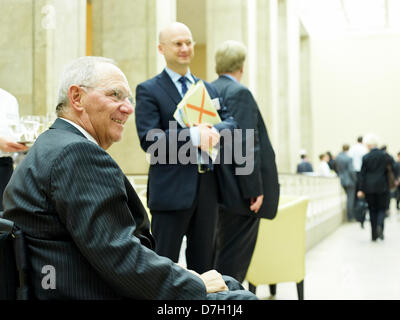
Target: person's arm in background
<point>7,145</point>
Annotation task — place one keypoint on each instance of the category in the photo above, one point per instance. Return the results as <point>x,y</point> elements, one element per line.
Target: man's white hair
<point>80,71</point>
<point>371,139</point>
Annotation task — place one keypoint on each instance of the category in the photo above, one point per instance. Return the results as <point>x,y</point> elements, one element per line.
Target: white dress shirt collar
<point>83,131</point>
<point>176,76</point>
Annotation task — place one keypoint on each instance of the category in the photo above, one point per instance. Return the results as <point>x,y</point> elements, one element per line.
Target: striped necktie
<point>182,80</point>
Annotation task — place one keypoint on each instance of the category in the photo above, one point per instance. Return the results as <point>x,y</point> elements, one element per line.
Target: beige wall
<point>16,51</point>
<point>33,48</point>
<point>355,90</point>
<point>199,63</point>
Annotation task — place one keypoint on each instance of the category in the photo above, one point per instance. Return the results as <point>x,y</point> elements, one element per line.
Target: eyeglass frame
<point>117,91</point>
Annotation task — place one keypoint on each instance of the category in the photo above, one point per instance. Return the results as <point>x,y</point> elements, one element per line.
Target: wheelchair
<point>14,263</point>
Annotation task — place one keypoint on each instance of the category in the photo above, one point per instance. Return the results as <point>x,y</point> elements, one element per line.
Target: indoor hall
<point>322,72</point>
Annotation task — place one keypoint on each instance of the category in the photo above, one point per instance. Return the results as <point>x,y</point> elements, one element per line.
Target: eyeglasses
<point>179,44</point>
<point>114,94</point>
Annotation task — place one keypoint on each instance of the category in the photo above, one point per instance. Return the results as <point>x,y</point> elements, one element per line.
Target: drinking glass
<point>31,126</point>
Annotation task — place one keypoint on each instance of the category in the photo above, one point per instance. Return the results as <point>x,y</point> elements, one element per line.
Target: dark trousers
<point>397,196</point>
<point>236,239</point>
<point>377,211</point>
<point>351,197</point>
<point>6,170</point>
<point>197,223</point>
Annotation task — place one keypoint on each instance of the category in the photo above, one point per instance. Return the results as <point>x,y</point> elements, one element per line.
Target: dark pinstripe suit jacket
<point>81,216</point>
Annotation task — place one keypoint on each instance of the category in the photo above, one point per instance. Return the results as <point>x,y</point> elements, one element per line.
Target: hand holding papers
<point>208,137</point>
<point>197,108</point>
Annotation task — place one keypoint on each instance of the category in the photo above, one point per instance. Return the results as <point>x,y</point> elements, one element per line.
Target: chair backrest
<point>14,263</point>
<point>279,255</point>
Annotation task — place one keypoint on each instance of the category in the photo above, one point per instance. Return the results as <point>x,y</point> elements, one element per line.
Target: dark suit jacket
<point>373,172</point>
<point>171,186</point>
<point>264,178</point>
<point>345,169</point>
<point>82,216</point>
<point>304,166</point>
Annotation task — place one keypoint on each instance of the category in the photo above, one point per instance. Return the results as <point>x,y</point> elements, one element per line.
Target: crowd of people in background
<point>369,175</point>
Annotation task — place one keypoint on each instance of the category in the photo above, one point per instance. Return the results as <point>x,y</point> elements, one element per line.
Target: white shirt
<point>8,115</point>
<point>357,152</point>
<point>324,170</point>
<point>84,132</point>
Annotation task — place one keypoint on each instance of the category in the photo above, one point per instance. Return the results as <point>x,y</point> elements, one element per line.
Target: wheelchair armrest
<point>6,225</point>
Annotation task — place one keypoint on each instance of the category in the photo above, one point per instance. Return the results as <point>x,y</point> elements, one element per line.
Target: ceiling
<point>321,17</point>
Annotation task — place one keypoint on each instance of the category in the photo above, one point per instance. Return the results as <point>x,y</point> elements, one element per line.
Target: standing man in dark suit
<point>374,185</point>
<point>182,197</point>
<point>237,232</point>
<point>348,178</point>
<point>85,226</point>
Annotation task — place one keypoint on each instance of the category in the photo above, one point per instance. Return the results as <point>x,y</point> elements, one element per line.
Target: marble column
<point>287,141</point>
<point>127,31</point>
<point>59,36</point>
<point>266,75</point>
<point>225,21</point>
<point>39,38</point>
<point>16,51</point>
<point>306,116</point>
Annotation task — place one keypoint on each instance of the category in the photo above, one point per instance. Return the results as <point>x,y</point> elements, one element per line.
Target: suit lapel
<point>169,87</point>
<point>166,83</point>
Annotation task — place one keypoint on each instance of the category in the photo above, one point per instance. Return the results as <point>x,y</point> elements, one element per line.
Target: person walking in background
<point>237,231</point>
<point>374,185</point>
<point>182,197</point>
<point>356,152</point>
<point>397,175</point>
<point>305,165</point>
<point>9,114</point>
<point>331,161</point>
<point>392,189</point>
<point>348,178</point>
<point>323,167</point>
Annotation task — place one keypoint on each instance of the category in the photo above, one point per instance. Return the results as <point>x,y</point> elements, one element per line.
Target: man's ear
<point>75,97</point>
<point>160,49</point>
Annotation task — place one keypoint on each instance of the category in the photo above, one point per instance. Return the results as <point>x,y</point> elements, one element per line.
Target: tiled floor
<point>347,265</point>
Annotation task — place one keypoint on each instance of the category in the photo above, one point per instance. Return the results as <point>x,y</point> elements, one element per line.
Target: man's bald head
<point>174,28</point>
<point>177,47</point>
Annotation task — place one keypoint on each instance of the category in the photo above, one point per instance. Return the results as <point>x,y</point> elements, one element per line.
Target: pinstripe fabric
<point>81,215</point>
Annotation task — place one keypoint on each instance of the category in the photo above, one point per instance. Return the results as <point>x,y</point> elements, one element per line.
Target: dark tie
<point>182,80</point>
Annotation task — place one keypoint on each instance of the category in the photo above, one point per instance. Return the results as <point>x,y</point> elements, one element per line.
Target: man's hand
<point>255,203</point>
<point>7,145</point>
<point>213,281</point>
<point>208,137</point>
